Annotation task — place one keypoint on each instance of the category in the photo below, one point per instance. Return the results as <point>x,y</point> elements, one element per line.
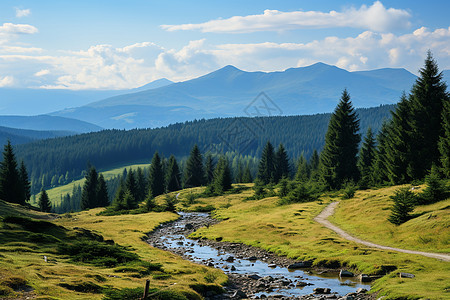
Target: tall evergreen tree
<point>338,158</point>
<point>44,202</point>
<point>156,178</point>
<point>102,192</point>
<point>118,201</point>
<point>89,195</point>
<point>313,163</point>
<point>398,143</point>
<point>366,160</point>
<point>131,185</point>
<point>141,183</point>
<point>10,185</point>
<point>194,174</point>
<point>427,99</point>
<point>282,167</point>
<point>266,170</point>
<point>222,176</point>
<point>380,174</point>
<point>25,183</point>
<point>209,168</point>
<point>444,142</point>
<point>303,169</point>
<point>173,175</point>
<point>247,175</point>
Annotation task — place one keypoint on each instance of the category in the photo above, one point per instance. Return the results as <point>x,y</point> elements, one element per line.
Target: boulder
<point>189,226</point>
<point>233,268</point>
<point>300,264</point>
<point>254,276</point>
<point>322,291</point>
<point>229,259</point>
<point>272,265</point>
<point>365,278</point>
<point>406,275</point>
<point>345,273</point>
<point>361,291</point>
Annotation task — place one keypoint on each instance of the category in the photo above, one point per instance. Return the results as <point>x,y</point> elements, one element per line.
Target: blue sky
<point>124,44</point>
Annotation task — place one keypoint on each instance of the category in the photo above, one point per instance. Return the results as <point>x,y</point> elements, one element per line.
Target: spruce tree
<point>132,186</point>
<point>173,175</point>
<point>404,201</point>
<point>398,144</point>
<point>303,170</point>
<point>102,192</point>
<point>156,184</point>
<point>209,168</point>
<point>266,170</point>
<point>282,167</point>
<point>141,183</point>
<point>11,189</point>
<point>380,174</point>
<point>222,176</point>
<point>366,160</point>
<point>444,142</point>
<point>118,201</point>
<point>427,99</point>
<point>25,183</point>
<point>44,202</point>
<point>247,175</point>
<point>314,162</point>
<point>194,174</point>
<point>338,158</point>
<point>89,195</point>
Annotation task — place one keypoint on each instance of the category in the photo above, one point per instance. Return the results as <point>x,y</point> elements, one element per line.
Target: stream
<point>254,273</point>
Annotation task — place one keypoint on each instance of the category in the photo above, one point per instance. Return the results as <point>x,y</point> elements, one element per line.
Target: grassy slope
<point>25,259</point>
<point>56,193</point>
<point>290,230</point>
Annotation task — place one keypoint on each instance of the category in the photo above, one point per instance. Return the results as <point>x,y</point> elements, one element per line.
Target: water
<point>288,279</point>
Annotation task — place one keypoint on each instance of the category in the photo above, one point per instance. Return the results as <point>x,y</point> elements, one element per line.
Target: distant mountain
<point>42,101</point>
<point>231,92</point>
<point>48,123</point>
<point>22,136</point>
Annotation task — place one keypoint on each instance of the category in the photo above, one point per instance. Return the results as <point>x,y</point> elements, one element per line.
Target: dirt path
<point>329,210</point>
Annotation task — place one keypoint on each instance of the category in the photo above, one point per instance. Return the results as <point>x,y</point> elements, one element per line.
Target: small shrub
<point>436,189</point>
<point>300,194</point>
<point>404,201</point>
<point>210,277</point>
<point>349,190</point>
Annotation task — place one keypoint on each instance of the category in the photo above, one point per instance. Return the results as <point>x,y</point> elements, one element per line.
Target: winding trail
<point>329,210</point>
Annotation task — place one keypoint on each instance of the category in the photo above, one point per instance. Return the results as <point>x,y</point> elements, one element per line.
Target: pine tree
<point>25,183</point>
<point>194,174</point>
<point>209,168</point>
<point>366,160</point>
<point>338,158</point>
<point>129,201</point>
<point>427,99</point>
<point>444,142</point>
<point>282,167</point>
<point>303,170</point>
<point>102,192</point>
<point>380,174</point>
<point>398,143</point>
<point>404,201</point>
<point>222,176</point>
<point>266,170</point>
<point>118,202</point>
<point>247,175</point>
<point>131,185</point>
<point>89,195</point>
<point>314,162</point>
<point>156,178</point>
<point>173,175</point>
<point>44,202</point>
<point>10,185</point>
<point>141,183</point>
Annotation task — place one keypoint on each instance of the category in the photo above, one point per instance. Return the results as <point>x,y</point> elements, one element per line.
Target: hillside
<point>109,148</point>
<point>48,123</point>
<point>229,91</point>
<point>23,136</point>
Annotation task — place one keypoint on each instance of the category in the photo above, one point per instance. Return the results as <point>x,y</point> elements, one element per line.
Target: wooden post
<point>147,285</point>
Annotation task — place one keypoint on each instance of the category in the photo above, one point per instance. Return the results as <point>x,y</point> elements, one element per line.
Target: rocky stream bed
<point>255,273</point>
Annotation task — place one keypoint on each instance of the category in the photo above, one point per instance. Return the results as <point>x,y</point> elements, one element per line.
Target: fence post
<point>147,285</point>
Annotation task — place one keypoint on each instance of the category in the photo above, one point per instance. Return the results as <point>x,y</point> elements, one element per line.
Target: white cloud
<point>6,81</point>
<point>375,17</point>
<point>10,28</point>
<point>22,12</point>
<point>42,73</point>
<point>19,49</point>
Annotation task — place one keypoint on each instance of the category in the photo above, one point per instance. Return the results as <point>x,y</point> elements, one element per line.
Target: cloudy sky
<point>111,44</point>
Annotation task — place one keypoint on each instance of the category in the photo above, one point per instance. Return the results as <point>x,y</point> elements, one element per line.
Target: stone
<point>406,275</point>
<point>210,264</point>
<point>365,278</point>
<point>254,276</point>
<point>345,273</point>
<point>189,226</point>
<point>301,284</point>
<point>272,265</point>
<point>229,259</point>
<point>233,268</point>
<point>239,295</point>
<point>252,258</point>
<point>322,291</point>
<point>300,264</point>
<point>361,291</point>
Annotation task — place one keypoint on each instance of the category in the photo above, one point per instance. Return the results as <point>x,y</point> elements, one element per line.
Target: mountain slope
<point>229,92</point>
<point>22,136</point>
<point>46,122</point>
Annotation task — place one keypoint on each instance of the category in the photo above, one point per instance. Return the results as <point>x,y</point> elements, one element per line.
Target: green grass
<point>290,230</point>
<point>55,193</point>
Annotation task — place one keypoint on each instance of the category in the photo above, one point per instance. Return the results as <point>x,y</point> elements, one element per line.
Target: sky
<point>111,44</point>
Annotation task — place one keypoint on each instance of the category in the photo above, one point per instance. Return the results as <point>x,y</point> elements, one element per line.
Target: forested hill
<point>68,156</point>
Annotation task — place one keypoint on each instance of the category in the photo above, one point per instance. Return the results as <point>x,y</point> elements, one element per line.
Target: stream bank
<point>254,273</point>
